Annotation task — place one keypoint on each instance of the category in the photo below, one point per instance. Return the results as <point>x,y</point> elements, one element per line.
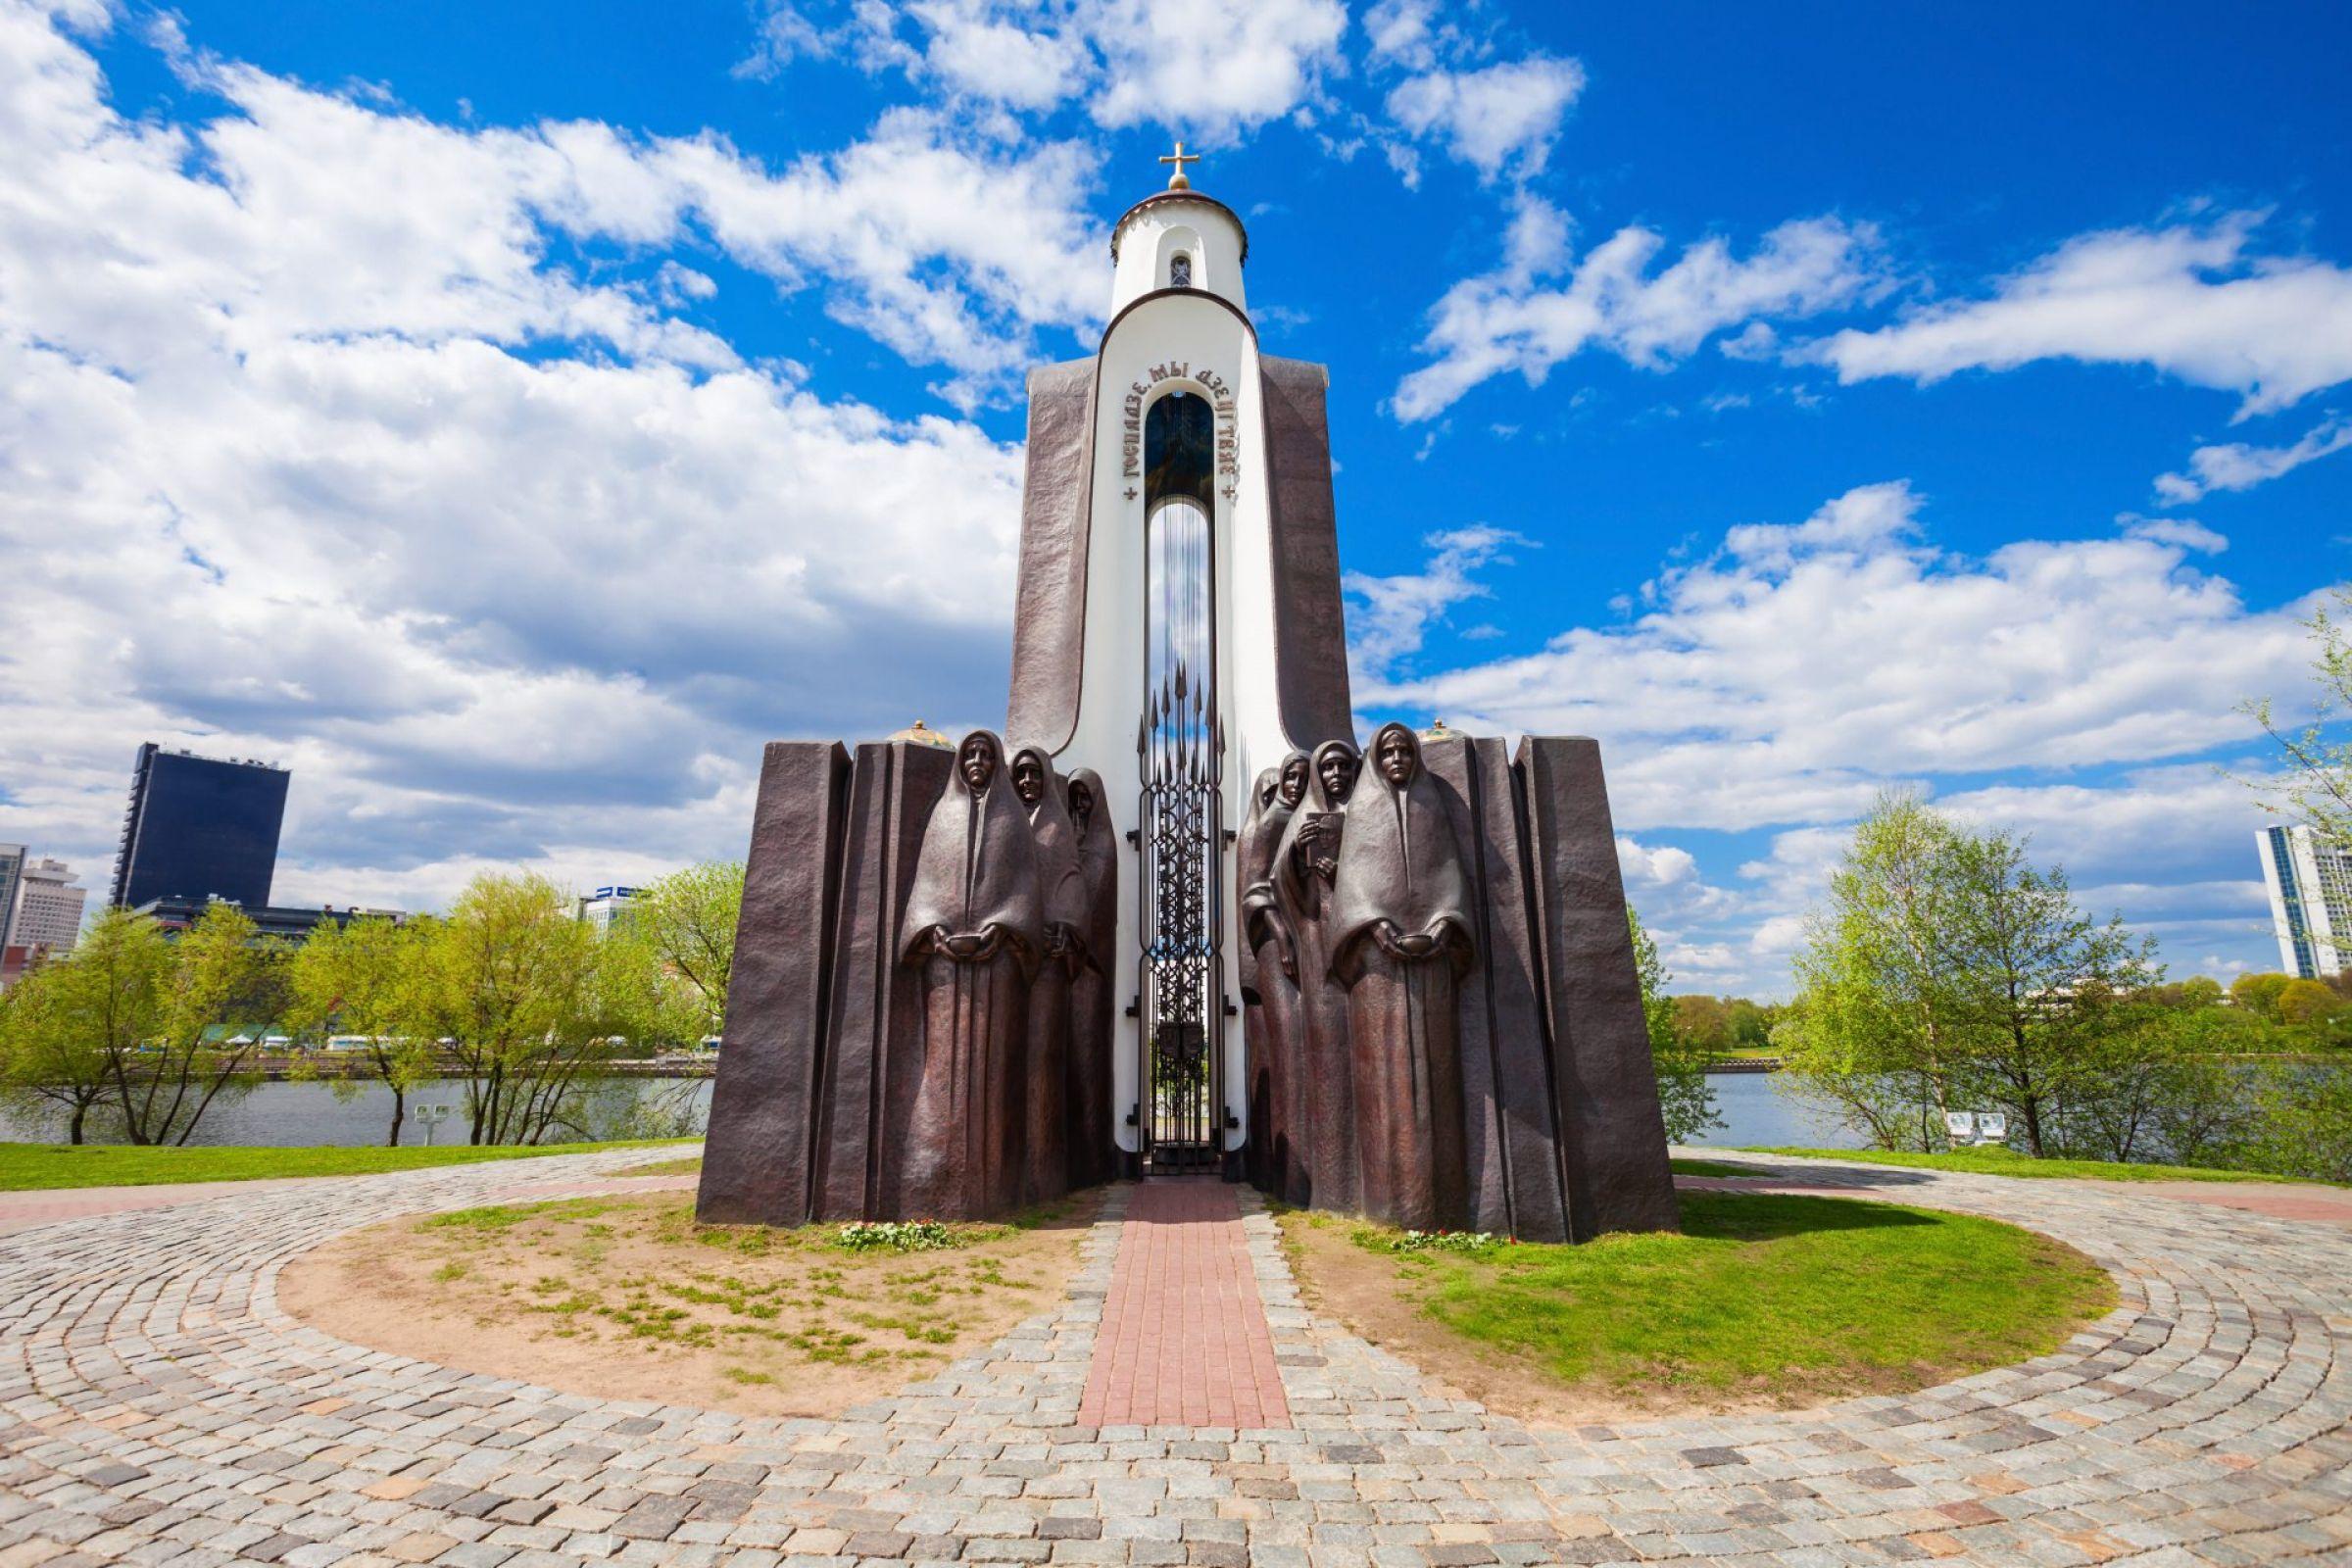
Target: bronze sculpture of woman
<point>975,922</point>
<point>1043,1150</point>
<point>1304,866</point>
<point>1093,1147</point>
<point>1399,938</point>
<point>1270,987</point>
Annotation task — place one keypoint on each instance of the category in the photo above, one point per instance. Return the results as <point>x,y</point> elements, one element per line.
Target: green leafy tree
<point>2317,787</point>
<point>2307,1005</point>
<point>2038,985</point>
<point>511,982</point>
<point>1684,1096</point>
<point>2306,1122</point>
<point>52,1059</point>
<point>1703,1021</point>
<point>2259,994</point>
<point>1751,1023</point>
<point>362,980</point>
<point>220,995</point>
<point>1871,1036</point>
<point>2195,992</point>
<point>2208,1112</point>
<point>686,924</point>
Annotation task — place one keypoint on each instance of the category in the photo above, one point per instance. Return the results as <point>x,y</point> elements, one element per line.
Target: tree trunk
<point>400,1111</point>
<point>74,1128</point>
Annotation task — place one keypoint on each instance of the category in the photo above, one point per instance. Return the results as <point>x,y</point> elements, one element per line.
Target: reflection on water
<point>290,1114</point>
<point>312,1113</point>
<point>1753,1114</point>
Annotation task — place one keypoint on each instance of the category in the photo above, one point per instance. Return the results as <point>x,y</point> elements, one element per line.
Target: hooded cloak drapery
<point>1323,1143</point>
<point>975,922</point>
<point>1043,1153</point>
<point>1399,862</point>
<point>1401,938</point>
<point>1269,995</point>
<point>1093,1157</point>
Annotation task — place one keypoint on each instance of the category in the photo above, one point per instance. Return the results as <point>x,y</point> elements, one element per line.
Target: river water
<point>312,1113</point>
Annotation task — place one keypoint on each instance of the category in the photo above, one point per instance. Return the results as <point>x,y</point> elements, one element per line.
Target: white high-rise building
<point>2309,883</point>
<point>48,908</point>
<point>12,871</point>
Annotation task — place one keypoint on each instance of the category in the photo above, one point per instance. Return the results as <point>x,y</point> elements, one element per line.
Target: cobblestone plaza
<point>157,1406</point>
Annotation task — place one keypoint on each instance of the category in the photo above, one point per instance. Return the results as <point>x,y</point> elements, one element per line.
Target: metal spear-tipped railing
<point>1180,751</point>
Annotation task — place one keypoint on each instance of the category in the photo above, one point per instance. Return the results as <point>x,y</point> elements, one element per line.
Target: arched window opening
<point>1180,271</point>
<point>1179,481</point>
<point>1181,745</point>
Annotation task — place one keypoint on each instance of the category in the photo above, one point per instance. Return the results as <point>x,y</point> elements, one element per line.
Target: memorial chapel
<point>1174,922</point>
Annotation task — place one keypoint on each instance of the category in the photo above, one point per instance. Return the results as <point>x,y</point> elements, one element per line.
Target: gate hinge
<point>1131,1116</point>
<point>1134,838</point>
<point>1231,838</point>
<point>1231,1012</point>
<point>1135,1008</point>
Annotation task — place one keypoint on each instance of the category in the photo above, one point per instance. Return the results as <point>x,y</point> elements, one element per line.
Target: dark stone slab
<point>874,1028</point>
<point>1049,622</point>
<point>1310,642</point>
<point>1612,1133</point>
<point>756,1157</point>
<point>1513,1129</point>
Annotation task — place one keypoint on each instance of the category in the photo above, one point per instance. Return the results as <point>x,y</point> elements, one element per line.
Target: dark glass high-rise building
<point>199,827</point>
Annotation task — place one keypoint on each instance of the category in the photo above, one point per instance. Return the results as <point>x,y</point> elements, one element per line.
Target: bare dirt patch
<point>628,1297</point>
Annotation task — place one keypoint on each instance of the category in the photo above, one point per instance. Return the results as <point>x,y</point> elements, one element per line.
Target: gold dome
<point>924,735</point>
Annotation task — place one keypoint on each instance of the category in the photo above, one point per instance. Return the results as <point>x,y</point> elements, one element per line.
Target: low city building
<point>603,908</point>
<point>48,908</point>
<point>269,920</point>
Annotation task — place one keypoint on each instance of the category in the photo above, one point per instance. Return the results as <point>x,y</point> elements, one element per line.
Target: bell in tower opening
<point>1221,940</point>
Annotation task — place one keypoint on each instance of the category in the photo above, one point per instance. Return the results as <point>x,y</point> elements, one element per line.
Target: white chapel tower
<point>1178,622</point>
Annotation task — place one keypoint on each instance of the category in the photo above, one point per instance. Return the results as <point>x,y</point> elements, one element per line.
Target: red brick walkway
<point>1184,1339</point>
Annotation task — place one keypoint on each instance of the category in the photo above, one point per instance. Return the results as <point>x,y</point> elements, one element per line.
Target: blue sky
<point>509,417</point>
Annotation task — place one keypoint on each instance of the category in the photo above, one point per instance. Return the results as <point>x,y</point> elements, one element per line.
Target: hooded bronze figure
<point>975,922</point>
<point>1093,1144</point>
<point>1398,930</point>
<point>1306,861</point>
<point>1045,1089</point>
<point>1269,988</point>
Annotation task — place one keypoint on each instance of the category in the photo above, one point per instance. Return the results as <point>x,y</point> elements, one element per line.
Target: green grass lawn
<point>2009,1163</point>
<point>25,1167</point>
<point>1709,1167</point>
<point>1768,1295</point>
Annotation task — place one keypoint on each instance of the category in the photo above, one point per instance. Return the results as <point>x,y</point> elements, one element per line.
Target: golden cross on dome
<point>1180,158</point>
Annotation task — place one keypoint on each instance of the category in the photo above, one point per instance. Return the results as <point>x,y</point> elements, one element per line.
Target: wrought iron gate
<point>1183,920</point>
<point>1180,747</point>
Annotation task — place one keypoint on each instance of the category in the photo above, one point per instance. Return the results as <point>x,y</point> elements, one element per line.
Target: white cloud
<point>2239,465</point>
<point>2187,532</point>
<point>2193,302</point>
<point>1789,676</point>
<point>1501,117</point>
<point>300,458</point>
<point>1208,69</point>
<point>782,33</point>
<point>1514,320</point>
<point>1392,615</point>
<point>1875,516</point>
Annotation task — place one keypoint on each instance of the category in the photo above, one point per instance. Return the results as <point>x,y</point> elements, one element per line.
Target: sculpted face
<point>977,761</point>
<point>1394,756</point>
<point>1028,778</point>
<point>1082,805</point>
<point>1292,787</point>
<point>1336,769</point>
